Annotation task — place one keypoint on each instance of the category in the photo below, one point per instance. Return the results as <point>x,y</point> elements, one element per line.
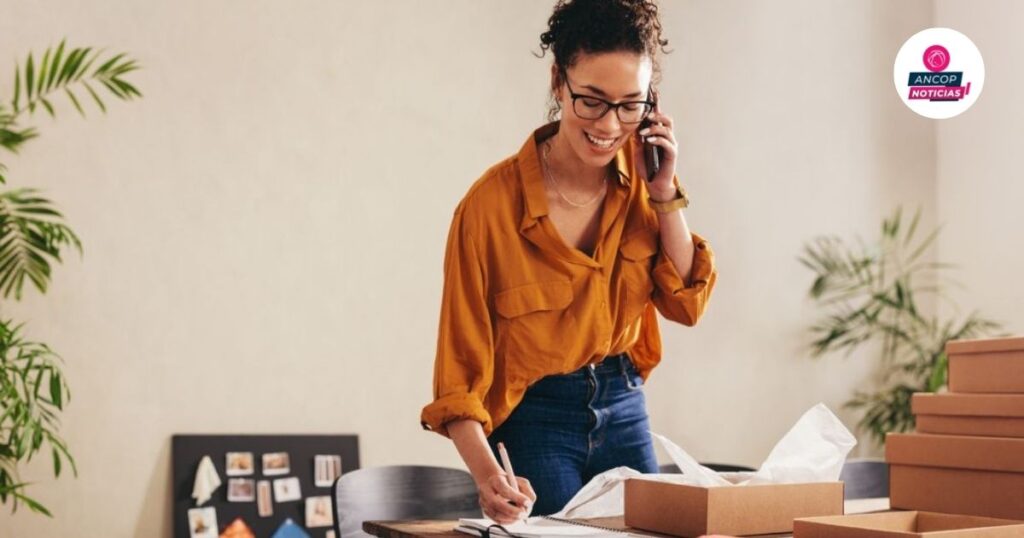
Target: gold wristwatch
<point>680,201</point>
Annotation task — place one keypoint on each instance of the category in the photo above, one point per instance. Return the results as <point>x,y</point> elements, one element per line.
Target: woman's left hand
<point>661,188</point>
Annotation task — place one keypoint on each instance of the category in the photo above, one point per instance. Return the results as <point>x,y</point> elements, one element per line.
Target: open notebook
<point>540,527</point>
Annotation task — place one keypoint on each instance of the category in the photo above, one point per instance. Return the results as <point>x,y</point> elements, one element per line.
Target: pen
<point>507,464</point>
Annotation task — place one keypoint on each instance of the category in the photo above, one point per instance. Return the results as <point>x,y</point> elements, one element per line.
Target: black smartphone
<point>652,154</point>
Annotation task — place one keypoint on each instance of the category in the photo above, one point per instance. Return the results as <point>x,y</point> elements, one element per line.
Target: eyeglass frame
<point>608,104</point>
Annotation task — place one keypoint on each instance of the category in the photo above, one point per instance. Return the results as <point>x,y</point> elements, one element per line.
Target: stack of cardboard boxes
<point>967,454</point>
<point>961,474</point>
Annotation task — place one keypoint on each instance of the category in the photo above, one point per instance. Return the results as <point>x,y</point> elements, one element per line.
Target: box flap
<point>963,404</point>
<point>955,451</point>
<point>905,524</point>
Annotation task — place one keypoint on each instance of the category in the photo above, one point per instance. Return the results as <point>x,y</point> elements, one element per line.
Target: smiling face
<point>614,77</point>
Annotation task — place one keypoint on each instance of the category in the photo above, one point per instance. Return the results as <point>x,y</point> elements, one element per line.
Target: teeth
<point>600,142</point>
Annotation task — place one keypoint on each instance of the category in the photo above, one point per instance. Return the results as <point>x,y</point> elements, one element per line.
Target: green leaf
<point>47,105</point>
<point>103,68</point>
<point>127,88</point>
<point>56,463</point>
<point>33,505</point>
<point>74,101</point>
<point>43,71</point>
<point>924,245</point>
<point>82,69</point>
<point>70,65</point>
<point>17,88</point>
<point>57,57</point>
<point>113,88</point>
<point>99,102</point>
<point>55,390</point>
<point>913,227</point>
<point>29,77</point>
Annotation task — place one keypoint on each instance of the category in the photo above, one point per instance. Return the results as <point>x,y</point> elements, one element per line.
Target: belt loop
<point>625,371</point>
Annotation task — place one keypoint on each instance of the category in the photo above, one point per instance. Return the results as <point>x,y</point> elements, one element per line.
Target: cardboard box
<point>957,491</point>
<point>955,451</point>
<point>986,366</point>
<point>732,510</point>
<point>993,415</point>
<point>906,524</point>
<point>981,476</point>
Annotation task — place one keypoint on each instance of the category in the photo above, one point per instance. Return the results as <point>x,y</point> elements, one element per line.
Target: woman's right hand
<point>503,504</point>
<point>490,478</point>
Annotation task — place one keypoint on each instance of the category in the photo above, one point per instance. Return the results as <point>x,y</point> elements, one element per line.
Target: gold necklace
<point>551,179</point>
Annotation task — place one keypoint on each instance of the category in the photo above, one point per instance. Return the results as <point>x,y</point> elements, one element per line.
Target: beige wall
<point>979,182</point>
<point>264,231</point>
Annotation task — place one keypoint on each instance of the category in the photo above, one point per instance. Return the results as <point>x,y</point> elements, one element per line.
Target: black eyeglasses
<point>588,107</point>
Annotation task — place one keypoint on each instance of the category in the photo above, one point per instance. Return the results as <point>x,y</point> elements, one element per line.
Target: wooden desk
<point>446,529</point>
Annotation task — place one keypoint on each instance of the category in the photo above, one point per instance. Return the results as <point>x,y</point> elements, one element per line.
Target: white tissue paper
<point>207,481</point>
<point>602,496</point>
<point>813,450</point>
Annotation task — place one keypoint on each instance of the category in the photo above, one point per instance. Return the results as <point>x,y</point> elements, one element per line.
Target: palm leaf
<point>61,68</point>
<point>32,234</point>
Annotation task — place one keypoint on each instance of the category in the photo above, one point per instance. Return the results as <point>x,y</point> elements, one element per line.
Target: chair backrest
<point>717,467</point>
<point>865,478</point>
<point>401,492</point>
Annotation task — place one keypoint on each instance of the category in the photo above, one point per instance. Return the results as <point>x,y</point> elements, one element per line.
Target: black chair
<point>401,492</point>
<point>717,467</point>
<point>865,478</point>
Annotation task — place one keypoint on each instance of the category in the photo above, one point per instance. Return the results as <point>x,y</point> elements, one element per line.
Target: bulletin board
<point>188,450</point>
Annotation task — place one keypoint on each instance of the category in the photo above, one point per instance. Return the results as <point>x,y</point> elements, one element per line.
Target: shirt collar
<point>532,175</point>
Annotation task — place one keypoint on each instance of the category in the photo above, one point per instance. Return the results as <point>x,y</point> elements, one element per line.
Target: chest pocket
<point>535,328</point>
<point>637,255</point>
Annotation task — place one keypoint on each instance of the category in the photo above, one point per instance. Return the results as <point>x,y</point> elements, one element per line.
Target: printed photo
<point>264,502</point>
<point>276,463</point>
<point>202,523</point>
<point>318,512</point>
<point>241,490</point>
<point>239,464</point>
<point>326,469</point>
<point>287,489</point>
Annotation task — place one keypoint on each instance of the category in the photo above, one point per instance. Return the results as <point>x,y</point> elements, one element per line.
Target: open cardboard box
<point>981,476</point>
<point>683,510</point>
<point>906,524</point>
<point>990,365</point>
<point>995,415</point>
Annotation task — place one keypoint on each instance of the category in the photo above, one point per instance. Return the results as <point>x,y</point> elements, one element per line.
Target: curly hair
<point>601,26</point>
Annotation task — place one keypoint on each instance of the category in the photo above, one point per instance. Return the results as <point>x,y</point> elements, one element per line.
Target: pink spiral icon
<point>936,58</point>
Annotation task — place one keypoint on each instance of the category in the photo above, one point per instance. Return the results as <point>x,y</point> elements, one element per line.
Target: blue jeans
<point>571,427</point>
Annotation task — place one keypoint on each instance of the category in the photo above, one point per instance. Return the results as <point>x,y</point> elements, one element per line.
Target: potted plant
<point>33,235</point>
<point>870,293</point>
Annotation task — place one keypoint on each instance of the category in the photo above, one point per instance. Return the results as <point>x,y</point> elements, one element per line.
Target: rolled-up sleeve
<point>464,364</point>
<point>673,298</point>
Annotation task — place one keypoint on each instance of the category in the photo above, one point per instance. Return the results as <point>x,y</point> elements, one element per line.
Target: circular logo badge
<point>936,58</point>
<point>938,73</point>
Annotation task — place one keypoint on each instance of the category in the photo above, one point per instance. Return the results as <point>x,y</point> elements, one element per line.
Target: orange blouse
<point>519,303</point>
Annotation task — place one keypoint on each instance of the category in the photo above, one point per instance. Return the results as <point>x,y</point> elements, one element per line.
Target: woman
<point>558,259</point>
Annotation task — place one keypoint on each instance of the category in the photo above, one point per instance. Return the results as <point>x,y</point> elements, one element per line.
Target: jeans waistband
<point>610,367</point>
<point>612,364</point>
